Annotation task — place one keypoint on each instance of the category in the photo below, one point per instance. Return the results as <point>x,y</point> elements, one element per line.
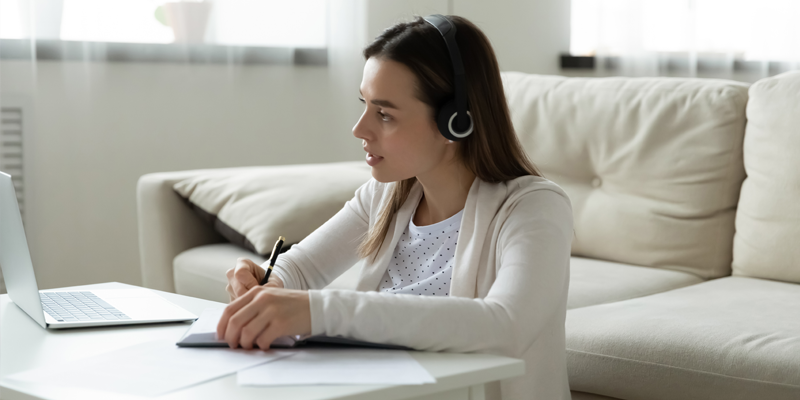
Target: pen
<point>273,257</point>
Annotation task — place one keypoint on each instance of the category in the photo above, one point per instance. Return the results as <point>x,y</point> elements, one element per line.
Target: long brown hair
<point>492,152</point>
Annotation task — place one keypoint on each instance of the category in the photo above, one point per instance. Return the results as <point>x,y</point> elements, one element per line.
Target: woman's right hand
<point>246,275</point>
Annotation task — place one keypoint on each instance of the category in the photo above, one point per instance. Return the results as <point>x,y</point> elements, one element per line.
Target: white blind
<point>11,150</point>
<point>11,130</point>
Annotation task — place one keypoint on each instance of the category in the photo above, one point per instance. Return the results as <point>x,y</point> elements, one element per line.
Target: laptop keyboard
<point>79,306</point>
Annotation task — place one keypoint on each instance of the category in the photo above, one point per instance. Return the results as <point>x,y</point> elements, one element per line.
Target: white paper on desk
<point>148,369</point>
<point>325,366</point>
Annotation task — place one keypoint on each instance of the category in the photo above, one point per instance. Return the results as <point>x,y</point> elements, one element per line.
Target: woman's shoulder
<point>532,187</point>
<point>374,193</point>
<point>535,198</point>
<point>375,189</point>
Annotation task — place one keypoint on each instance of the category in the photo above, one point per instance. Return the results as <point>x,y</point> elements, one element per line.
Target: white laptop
<point>57,309</point>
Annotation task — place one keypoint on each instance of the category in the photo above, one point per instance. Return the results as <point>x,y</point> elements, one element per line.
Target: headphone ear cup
<point>443,118</point>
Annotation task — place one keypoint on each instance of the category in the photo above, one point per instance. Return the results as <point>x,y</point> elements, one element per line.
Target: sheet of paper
<point>149,369</point>
<point>208,320</point>
<point>324,366</point>
<point>203,331</point>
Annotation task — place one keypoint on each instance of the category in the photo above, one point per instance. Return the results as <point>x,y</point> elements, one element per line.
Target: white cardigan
<point>508,292</point>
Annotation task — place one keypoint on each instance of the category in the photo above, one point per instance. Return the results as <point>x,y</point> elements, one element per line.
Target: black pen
<point>273,257</point>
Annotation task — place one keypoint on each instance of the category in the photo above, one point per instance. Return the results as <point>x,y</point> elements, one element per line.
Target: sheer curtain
<point>98,94</point>
<point>17,81</point>
<point>733,39</point>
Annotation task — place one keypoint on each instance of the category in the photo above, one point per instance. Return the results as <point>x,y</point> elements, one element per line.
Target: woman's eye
<point>383,116</point>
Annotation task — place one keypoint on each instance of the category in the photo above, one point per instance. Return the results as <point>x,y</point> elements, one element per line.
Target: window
<point>270,23</point>
<point>113,21</point>
<point>744,29</point>
<point>13,21</point>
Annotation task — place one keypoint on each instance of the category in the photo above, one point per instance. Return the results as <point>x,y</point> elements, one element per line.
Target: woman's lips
<point>372,159</point>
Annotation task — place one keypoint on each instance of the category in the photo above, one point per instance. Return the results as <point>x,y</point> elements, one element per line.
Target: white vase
<point>188,20</point>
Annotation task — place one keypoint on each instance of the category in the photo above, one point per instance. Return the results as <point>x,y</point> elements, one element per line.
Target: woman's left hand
<point>262,315</point>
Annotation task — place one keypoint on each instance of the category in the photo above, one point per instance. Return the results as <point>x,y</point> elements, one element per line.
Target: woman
<point>465,245</point>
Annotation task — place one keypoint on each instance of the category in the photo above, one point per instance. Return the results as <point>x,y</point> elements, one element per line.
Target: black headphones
<point>453,108</point>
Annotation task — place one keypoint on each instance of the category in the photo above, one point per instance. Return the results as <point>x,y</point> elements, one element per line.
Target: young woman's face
<point>398,131</point>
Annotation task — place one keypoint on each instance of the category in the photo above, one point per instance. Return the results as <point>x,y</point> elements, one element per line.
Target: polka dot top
<point>423,259</point>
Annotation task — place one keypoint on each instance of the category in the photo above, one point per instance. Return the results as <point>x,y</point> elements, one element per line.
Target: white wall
<point>99,126</point>
<point>527,36</point>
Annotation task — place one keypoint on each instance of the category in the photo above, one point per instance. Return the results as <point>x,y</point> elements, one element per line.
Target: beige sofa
<point>685,280</point>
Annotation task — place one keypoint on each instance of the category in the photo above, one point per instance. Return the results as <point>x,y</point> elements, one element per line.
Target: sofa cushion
<point>768,219</point>
<point>594,282</point>
<point>200,271</point>
<point>733,338</point>
<point>253,206</point>
<point>653,166</point>
<point>589,396</point>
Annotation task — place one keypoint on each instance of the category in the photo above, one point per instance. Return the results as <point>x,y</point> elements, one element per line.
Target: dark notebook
<point>202,333</point>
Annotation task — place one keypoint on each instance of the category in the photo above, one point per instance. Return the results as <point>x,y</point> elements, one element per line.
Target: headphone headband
<point>448,31</point>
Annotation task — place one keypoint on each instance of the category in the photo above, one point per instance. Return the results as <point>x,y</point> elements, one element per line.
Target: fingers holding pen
<point>245,276</point>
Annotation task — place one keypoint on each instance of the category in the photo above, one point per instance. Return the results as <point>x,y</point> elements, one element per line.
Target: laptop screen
<point>15,257</point>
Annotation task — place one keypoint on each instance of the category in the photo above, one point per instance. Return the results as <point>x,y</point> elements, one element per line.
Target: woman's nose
<point>360,130</point>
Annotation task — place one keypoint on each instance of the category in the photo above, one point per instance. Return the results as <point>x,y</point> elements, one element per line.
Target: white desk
<point>25,345</point>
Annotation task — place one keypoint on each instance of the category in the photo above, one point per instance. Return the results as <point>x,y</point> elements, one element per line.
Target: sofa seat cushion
<point>589,396</point>
<point>598,282</point>
<point>200,271</point>
<point>733,338</point>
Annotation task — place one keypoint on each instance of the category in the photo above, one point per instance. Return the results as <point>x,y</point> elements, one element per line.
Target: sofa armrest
<point>167,227</point>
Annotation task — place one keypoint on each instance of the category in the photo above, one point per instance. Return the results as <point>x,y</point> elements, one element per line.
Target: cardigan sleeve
<point>330,250</point>
<point>529,293</point>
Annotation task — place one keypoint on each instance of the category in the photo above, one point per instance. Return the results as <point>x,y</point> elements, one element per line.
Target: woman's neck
<point>444,194</point>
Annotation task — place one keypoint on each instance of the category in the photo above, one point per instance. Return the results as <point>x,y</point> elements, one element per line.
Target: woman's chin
<point>387,177</point>
<point>379,177</point>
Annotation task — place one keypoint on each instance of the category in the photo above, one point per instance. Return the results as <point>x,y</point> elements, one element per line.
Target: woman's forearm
<point>330,250</point>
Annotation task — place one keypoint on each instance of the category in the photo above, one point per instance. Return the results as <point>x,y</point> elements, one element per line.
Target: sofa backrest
<point>653,166</point>
<point>767,241</point>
